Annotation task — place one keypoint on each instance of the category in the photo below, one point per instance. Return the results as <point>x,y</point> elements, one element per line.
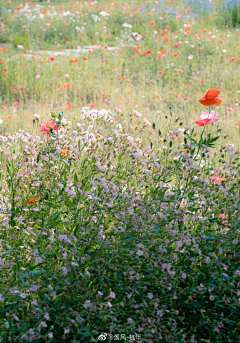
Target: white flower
<point>127,25</point>
<point>104,14</point>
<point>139,252</point>
<point>150,295</point>
<point>95,17</point>
<point>64,121</point>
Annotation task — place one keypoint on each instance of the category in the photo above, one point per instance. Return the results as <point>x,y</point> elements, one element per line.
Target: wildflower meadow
<point>119,171</point>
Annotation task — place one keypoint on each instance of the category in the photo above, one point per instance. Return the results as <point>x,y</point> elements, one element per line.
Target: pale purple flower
<point>112,295</point>
<point>207,260</point>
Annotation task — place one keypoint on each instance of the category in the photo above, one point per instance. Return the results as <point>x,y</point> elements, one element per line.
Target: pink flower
<point>176,45</point>
<point>20,47</point>
<point>206,118</point>
<point>37,76</point>
<point>223,215</point>
<point>112,295</point>
<point>46,125</point>
<point>216,179</point>
<point>14,90</point>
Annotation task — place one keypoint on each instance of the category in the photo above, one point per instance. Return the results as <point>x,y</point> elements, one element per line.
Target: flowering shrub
<point>103,234</point>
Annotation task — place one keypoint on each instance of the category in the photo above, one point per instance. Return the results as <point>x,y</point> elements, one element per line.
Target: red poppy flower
<point>46,125</point>
<point>31,202</point>
<point>211,98</point>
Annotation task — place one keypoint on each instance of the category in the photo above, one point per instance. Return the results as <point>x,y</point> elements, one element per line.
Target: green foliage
<point>92,244</point>
<point>20,40</point>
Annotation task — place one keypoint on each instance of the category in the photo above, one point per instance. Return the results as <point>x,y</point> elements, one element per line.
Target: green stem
<point>190,177</point>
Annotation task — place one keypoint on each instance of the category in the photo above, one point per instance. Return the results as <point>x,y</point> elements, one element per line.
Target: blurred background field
<point>120,56</point>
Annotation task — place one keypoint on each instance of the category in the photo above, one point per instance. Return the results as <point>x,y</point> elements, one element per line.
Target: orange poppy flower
<point>64,152</point>
<point>152,23</point>
<point>211,98</point>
